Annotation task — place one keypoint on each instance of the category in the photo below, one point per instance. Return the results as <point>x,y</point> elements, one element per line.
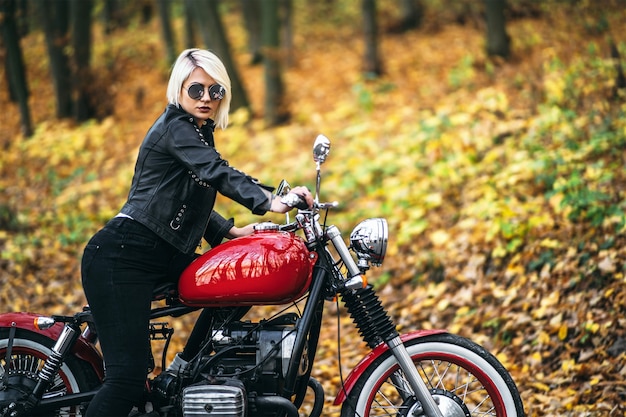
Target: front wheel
<point>464,379</point>
<point>29,352</point>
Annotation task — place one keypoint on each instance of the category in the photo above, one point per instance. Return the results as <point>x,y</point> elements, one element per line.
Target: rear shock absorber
<point>374,324</point>
<point>53,363</point>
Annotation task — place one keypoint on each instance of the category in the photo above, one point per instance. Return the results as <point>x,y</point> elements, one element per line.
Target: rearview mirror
<point>283,188</point>
<point>321,149</point>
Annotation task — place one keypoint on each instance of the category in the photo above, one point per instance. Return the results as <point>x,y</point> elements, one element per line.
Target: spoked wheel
<point>464,379</point>
<point>28,355</point>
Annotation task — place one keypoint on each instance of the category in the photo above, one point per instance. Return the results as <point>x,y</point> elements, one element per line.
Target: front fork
<point>376,327</point>
<point>420,389</point>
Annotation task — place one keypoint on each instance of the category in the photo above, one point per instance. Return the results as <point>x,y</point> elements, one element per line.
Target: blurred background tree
<point>14,61</point>
<point>68,24</point>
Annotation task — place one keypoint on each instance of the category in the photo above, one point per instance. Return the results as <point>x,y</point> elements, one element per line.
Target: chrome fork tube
<point>415,381</point>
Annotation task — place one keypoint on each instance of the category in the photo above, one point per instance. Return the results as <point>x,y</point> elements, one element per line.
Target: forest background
<point>503,180</point>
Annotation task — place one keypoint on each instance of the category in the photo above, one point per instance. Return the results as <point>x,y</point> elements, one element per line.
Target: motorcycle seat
<point>165,291</point>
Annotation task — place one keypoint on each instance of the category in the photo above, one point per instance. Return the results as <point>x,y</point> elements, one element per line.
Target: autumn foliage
<point>503,182</point>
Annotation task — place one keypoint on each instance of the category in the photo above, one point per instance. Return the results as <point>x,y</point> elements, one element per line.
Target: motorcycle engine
<point>248,360</point>
<point>226,398</point>
<point>257,353</point>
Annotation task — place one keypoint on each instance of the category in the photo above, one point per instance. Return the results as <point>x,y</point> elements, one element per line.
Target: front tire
<point>28,355</point>
<point>464,379</point>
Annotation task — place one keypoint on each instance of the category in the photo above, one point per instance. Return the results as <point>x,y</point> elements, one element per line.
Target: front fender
<point>82,349</point>
<point>354,375</point>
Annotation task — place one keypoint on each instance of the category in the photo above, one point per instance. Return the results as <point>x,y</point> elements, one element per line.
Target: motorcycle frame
<point>308,329</point>
<point>307,336</point>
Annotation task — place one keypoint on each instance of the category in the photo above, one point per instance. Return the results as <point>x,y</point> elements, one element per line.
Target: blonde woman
<point>169,210</point>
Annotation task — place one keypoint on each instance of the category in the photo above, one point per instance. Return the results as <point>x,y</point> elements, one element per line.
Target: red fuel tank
<point>267,267</point>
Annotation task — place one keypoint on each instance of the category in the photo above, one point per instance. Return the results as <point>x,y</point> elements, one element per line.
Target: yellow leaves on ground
<point>477,166</point>
<point>548,304</point>
<point>439,237</point>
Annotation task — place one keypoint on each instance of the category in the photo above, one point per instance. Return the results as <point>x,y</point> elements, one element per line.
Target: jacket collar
<point>208,124</point>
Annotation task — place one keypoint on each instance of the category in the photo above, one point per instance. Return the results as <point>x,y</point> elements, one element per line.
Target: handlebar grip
<point>294,200</point>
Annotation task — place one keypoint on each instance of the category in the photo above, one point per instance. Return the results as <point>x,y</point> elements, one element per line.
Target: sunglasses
<point>196,91</point>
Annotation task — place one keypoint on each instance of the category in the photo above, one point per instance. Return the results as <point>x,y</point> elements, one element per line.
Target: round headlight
<point>369,240</point>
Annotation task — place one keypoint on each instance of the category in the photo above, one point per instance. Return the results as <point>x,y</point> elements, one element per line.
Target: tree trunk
<point>22,18</point>
<point>166,30</point>
<point>115,15</point>
<point>372,64</point>
<point>15,63</point>
<point>208,20</point>
<point>620,79</point>
<point>147,11</point>
<point>251,11</point>
<point>190,28</point>
<point>411,15</point>
<point>54,17</point>
<point>286,23</point>
<point>81,76</point>
<point>109,15</point>
<point>497,38</point>
<point>274,111</point>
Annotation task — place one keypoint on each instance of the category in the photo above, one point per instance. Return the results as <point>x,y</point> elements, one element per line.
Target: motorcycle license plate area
<point>268,267</point>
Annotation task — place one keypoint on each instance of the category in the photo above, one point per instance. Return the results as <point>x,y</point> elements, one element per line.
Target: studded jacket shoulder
<point>177,176</point>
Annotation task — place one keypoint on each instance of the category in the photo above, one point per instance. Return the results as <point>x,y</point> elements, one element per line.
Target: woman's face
<point>202,108</point>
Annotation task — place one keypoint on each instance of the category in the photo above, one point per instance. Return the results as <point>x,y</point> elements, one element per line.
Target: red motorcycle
<point>50,366</point>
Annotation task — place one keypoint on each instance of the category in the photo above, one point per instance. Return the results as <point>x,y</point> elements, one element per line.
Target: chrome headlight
<point>369,240</point>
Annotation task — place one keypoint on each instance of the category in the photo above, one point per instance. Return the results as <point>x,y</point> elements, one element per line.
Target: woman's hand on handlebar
<point>280,206</point>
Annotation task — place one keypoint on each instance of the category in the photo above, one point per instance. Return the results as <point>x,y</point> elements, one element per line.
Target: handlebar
<point>296,225</point>
<point>289,227</point>
<point>294,200</point>
<point>324,206</point>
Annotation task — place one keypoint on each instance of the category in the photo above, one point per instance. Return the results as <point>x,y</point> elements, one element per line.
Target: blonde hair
<point>191,59</point>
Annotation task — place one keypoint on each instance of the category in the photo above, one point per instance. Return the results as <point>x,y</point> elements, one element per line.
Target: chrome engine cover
<point>212,400</point>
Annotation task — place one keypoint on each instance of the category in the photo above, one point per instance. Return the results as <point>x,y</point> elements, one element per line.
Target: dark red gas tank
<point>267,267</point>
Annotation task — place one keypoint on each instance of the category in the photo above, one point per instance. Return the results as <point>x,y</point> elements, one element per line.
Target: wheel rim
<point>27,359</point>
<point>455,380</point>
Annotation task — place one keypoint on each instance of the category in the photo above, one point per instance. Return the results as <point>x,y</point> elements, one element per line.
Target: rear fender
<point>379,350</point>
<point>82,349</point>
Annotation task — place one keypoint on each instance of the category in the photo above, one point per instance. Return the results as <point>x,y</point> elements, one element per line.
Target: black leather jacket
<point>177,176</point>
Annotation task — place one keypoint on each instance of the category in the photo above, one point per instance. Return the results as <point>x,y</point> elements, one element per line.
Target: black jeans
<point>120,267</point>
